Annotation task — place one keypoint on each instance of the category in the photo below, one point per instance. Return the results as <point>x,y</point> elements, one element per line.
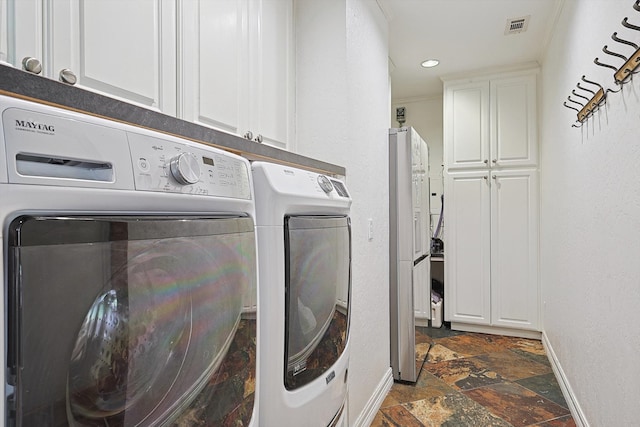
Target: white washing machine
<point>304,242</point>
<point>129,275</point>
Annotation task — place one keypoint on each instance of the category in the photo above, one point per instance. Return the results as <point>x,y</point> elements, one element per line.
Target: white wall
<point>342,108</point>
<point>590,217</point>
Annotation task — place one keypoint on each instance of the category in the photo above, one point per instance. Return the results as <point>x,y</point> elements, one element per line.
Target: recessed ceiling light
<point>430,63</point>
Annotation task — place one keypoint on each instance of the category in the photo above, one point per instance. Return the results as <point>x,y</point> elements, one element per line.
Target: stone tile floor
<point>477,380</point>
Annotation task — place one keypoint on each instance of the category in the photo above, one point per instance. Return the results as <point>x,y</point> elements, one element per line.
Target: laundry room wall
<point>342,105</point>
<point>590,217</point>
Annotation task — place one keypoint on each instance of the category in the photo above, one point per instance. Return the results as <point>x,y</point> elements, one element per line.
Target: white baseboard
<point>375,401</point>
<point>567,391</point>
<point>422,322</point>
<point>495,330</point>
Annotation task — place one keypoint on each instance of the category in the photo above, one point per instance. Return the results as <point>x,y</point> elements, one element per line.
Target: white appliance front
<point>304,242</point>
<point>129,275</point>
<point>409,247</point>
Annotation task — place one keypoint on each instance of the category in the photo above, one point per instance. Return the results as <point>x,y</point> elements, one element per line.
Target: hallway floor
<point>477,380</point>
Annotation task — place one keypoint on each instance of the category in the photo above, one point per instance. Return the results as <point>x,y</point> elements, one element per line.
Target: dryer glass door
<point>318,282</point>
<point>125,321</point>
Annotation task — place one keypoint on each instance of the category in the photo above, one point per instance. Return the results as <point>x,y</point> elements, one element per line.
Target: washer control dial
<point>325,184</point>
<point>185,168</point>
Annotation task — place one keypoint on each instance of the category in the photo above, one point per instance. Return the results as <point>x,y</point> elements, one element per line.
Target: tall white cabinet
<point>226,64</point>
<point>491,203</point>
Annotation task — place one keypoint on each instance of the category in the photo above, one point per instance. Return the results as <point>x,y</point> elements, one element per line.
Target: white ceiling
<point>465,35</point>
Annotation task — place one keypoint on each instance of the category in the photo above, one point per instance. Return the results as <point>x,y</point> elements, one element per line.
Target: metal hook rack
<point>621,76</point>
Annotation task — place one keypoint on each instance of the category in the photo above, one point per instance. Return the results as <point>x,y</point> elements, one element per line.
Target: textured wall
<point>342,92</point>
<point>590,217</point>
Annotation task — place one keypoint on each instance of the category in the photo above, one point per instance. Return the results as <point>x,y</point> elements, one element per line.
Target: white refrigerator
<point>409,246</point>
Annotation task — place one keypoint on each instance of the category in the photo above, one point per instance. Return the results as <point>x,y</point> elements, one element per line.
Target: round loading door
<point>155,333</point>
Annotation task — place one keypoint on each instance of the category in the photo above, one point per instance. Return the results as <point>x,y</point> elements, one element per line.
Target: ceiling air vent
<point>517,25</point>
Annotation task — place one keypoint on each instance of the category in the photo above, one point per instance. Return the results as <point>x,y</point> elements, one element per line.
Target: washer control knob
<point>325,184</point>
<point>185,168</point>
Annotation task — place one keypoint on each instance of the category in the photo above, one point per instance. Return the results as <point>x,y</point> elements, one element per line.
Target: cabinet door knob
<point>248,135</point>
<point>68,76</point>
<point>494,177</point>
<point>486,161</point>
<point>31,65</point>
<point>494,161</point>
<point>485,177</point>
<point>258,138</point>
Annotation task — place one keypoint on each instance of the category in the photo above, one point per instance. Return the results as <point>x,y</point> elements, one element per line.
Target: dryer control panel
<point>165,165</point>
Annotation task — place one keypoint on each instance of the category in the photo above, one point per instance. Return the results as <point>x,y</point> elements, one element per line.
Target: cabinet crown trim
<point>492,73</point>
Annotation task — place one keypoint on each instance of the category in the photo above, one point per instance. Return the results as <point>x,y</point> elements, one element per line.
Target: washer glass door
<point>125,321</point>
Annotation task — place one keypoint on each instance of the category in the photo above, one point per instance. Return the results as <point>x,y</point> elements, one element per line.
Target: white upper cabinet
<point>24,40</point>
<point>4,33</point>
<point>273,73</point>
<point>513,121</point>
<point>214,78</point>
<point>119,48</point>
<point>237,67</point>
<point>467,132</point>
<point>492,122</point>
<point>226,64</point>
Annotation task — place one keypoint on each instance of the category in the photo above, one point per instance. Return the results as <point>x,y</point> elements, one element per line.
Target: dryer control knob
<point>325,184</point>
<point>185,168</point>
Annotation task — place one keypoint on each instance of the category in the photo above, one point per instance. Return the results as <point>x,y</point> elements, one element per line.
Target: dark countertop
<point>20,84</point>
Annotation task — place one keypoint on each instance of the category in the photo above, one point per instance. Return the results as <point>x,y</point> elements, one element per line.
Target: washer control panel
<point>170,166</point>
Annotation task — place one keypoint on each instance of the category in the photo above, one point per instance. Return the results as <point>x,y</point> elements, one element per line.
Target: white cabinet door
<point>120,48</point>
<point>422,289</point>
<point>214,80</point>
<point>466,130</point>
<point>420,194</point>
<point>514,140</point>
<point>514,249</point>
<point>424,195</point>
<point>468,247</point>
<point>272,65</point>
<point>4,31</point>
<point>491,123</point>
<point>21,31</point>
<point>237,66</point>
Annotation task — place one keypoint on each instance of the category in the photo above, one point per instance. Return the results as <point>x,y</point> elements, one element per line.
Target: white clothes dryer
<point>129,275</point>
<point>304,246</point>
